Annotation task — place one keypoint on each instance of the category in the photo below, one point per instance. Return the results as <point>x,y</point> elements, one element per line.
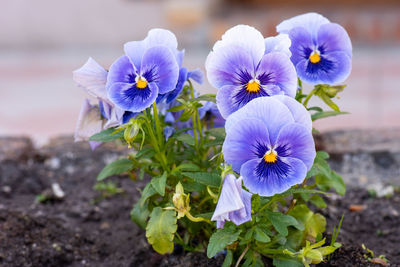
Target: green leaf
<point>210,179</point>
<point>220,239</point>
<point>325,114</point>
<point>261,236</point>
<point>205,97</point>
<point>161,229</point>
<point>228,259</point>
<point>186,138</point>
<point>282,221</point>
<point>107,135</point>
<point>158,183</point>
<point>139,214</point>
<point>115,167</point>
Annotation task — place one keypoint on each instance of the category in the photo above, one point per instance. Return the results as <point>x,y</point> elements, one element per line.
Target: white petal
<point>92,77</point>
<point>280,43</point>
<point>246,37</point>
<point>89,122</point>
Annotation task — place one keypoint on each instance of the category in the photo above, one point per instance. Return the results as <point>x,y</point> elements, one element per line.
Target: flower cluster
<point>224,160</point>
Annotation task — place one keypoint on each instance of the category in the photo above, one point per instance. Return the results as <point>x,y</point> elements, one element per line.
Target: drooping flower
<point>234,203</point>
<point>269,142</point>
<point>89,123</point>
<point>149,67</point>
<point>321,50</point>
<point>241,70</point>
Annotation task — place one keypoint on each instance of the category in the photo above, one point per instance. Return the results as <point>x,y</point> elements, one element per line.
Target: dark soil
<point>77,230</point>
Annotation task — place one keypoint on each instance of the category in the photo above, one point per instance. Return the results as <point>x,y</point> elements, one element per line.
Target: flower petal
<point>160,66</point>
<point>242,140</point>
<point>121,70</point>
<point>226,66</point>
<point>333,68</point>
<point>302,44</point>
<point>277,69</point>
<point>310,21</point>
<point>296,141</point>
<point>333,38</point>
<point>229,199</point>
<point>92,77</point>
<point>129,98</point>
<point>89,122</point>
<point>280,43</point>
<point>271,111</point>
<point>247,38</point>
<point>299,112</point>
<point>272,184</point>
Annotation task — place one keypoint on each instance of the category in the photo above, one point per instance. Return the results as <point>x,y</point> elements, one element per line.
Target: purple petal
<point>280,43</point>
<point>299,112</point>
<point>333,68</point>
<point>160,66</point>
<point>297,142</point>
<point>130,98</point>
<point>302,44</point>
<point>247,38</point>
<point>89,122</point>
<point>92,77</point>
<point>333,38</point>
<point>121,71</point>
<point>309,21</point>
<point>277,69</point>
<point>270,110</point>
<point>242,140</point>
<point>273,183</point>
<point>225,66</point>
<point>196,75</point>
<point>229,199</point>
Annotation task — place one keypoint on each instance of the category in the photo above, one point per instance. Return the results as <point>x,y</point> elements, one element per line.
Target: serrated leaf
<point>115,167</point>
<point>282,221</point>
<point>186,138</point>
<point>158,183</point>
<point>325,114</point>
<point>160,230</point>
<point>107,135</point>
<point>210,179</point>
<point>261,236</point>
<point>220,239</point>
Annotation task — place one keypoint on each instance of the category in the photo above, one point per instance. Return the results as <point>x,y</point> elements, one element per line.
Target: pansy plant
<point>232,173</point>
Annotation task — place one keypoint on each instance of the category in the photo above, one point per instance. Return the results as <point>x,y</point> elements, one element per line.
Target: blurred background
<point>43,41</point>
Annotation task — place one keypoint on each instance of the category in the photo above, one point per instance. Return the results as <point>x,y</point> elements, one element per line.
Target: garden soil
<point>83,228</point>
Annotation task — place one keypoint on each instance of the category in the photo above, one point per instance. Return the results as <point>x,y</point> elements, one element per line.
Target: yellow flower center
<point>253,86</point>
<point>315,57</point>
<point>270,156</point>
<point>141,83</point>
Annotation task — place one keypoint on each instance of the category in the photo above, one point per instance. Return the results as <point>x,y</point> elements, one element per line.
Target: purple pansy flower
<point>269,142</point>
<point>150,67</point>
<point>234,203</point>
<point>321,50</point>
<point>241,70</point>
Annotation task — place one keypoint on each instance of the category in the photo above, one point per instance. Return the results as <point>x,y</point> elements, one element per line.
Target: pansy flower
<point>321,50</point>
<point>149,67</point>
<point>241,70</point>
<point>234,203</point>
<point>269,142</point>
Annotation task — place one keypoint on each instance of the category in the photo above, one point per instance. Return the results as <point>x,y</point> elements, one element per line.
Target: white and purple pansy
<point>234,203</point>
<point>149,67</point>
<point>269,141</point>
<point>321,50</point>
<point>242,69</point>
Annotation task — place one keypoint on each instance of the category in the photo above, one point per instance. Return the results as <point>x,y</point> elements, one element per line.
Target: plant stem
<point>241,256</point>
